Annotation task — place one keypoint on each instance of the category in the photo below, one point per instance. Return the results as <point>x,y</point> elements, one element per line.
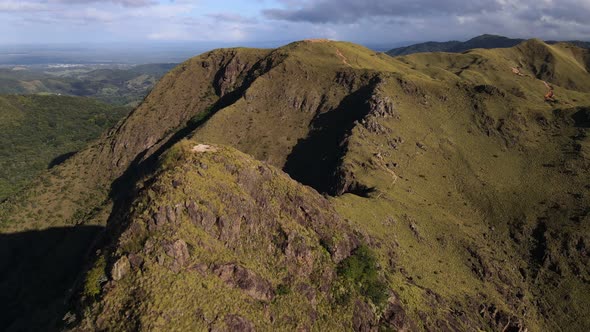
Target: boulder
<point>120,268</point>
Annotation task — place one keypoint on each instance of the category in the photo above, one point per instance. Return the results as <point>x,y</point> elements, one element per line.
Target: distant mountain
<point>484,41</point>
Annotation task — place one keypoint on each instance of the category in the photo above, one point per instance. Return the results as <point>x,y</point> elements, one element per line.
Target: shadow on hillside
<point>314,160</point>
<point>37,271</point>
<point>61,159</point>
<point>582,117</point>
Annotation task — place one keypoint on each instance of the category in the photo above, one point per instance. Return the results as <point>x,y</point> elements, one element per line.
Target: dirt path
<point>342,57</point>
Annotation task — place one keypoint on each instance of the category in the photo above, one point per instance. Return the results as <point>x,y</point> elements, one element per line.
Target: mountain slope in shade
<point>465,188</point>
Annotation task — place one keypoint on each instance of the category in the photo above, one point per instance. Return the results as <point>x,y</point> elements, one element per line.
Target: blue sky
<point>239,22</point>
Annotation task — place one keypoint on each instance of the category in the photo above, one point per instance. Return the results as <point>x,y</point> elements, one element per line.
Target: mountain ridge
<point>486,41</point>
<point>464,183</point>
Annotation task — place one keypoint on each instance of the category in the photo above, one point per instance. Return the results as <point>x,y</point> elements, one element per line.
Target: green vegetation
<point>38,132</point>
<point>359,273</point>
<point>113,86</point>
<point>467,188</point>
<point>95,278</point>
<point>188,262</point>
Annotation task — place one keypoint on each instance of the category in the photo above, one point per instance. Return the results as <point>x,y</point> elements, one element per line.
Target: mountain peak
<point>488,36</point>
<point>486,41</point>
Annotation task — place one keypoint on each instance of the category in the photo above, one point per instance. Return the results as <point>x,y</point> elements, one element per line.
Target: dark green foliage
<point>283,289</point>
<point>38,132</point>
<point>361,272</point>
<point>95,278</point>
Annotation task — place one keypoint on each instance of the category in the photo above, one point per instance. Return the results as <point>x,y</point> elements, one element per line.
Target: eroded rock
<point>238,324</point>
<point>179,252</point>
<point>363,318</point>
<point>121,268</point>
<point>246,280</point>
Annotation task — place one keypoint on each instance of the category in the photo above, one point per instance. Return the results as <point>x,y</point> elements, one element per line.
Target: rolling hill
<point>321,186</point>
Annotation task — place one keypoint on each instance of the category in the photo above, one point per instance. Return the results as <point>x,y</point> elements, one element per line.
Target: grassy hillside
<point>214,266</point>
<point>38,132</point>
<point>466,192</point>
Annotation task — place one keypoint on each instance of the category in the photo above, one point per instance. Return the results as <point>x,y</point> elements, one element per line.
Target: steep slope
<point>218,239</point>
<point>469,187</point>
<point>38,132</point>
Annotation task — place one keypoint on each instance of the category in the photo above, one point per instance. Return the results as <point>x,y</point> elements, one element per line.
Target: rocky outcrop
<point>237,323</point>
<point>363,317</point>
<point>120,268</point>
<point>218,218</point>
<point>179,252</point>
<point>246,280</point>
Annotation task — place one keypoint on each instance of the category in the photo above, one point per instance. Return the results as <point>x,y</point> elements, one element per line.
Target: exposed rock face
<point>236,323</point>
<point>363,318</point>
<point>502,320</point>
<point>395,317</point>
<point>120,268</point>
<point>239,277</point>
<point>179,252</point>
<point>381,105</point>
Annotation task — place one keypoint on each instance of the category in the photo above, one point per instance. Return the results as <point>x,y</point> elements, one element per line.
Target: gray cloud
<point>365,21</point>
<point>351,11</point>
<point>441,19</point>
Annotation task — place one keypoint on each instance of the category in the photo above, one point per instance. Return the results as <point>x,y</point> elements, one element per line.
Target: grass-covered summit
<point>466,190</point>
<point>219,240</point>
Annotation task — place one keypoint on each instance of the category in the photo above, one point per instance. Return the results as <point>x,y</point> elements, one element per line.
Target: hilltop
<point>484,41</point>
<point>442,192</point>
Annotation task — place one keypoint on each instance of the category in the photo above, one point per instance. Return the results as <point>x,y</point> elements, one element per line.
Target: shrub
<point>95,278</point>
<point>359,273</point>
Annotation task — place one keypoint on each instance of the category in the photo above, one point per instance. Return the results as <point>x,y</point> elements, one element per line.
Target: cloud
<point>368,21</point>
<point>351,11</point>
<point>124,3</point>
<point>421,19</point>
<point>21,6</point>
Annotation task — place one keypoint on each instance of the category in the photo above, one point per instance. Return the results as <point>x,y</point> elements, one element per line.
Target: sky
<point>254,21</point>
